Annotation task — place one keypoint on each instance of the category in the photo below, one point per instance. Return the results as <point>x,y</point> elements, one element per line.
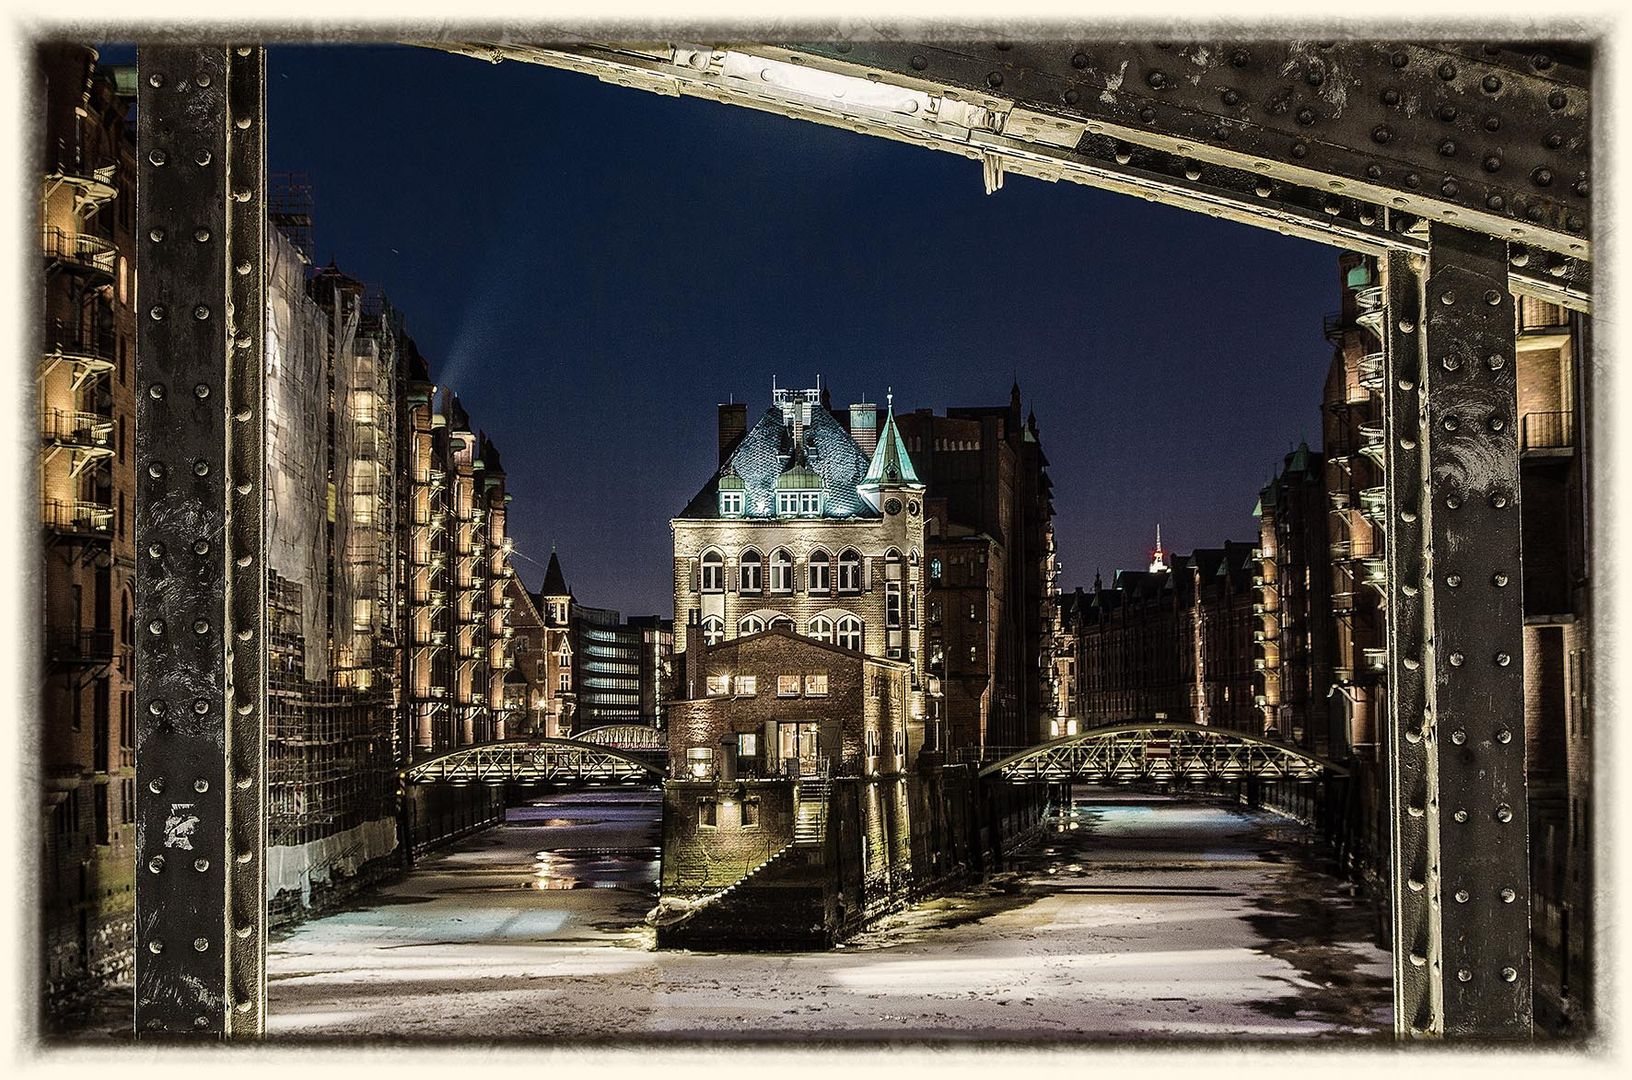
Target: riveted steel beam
<point>1412,757</point>
<point>1474,659</point>
<point>200,669</point>
<point>1019,118</point>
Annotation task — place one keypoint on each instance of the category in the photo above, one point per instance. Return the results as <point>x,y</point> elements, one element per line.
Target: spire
<point>1158,560</point>
<point>555,582</point>
<point>891,463</point>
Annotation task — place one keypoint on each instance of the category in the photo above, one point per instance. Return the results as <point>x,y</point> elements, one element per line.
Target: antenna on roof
<point>889,397</point>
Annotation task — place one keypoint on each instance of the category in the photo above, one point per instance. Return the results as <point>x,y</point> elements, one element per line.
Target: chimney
<point>733,422</point>
<point>864,426</point>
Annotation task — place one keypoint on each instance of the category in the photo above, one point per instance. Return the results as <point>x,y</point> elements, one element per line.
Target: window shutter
<point>866,573</point>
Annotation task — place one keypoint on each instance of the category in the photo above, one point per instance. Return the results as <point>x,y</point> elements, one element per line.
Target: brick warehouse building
<point>989,522</point>
<point>86,439</point>
<point>809,523</point>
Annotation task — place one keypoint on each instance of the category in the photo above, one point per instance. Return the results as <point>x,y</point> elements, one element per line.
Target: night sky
<point>593,268</point>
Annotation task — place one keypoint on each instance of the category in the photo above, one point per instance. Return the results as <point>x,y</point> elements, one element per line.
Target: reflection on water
<point>595,868</point>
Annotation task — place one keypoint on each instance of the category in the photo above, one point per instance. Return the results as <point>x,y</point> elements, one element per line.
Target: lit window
<point>713,578</point>
<point>748,686</point>
<point>787,686</point>
<point>810,502</point>
<point>749,624</point>
<point>719,685</point>
<point>747,745</point>
<point>566,682</point>
<point>750,572</point>
<point>819,572</point>
<point>872,743</point>
<point>849,570</point>
<point>816,685</point>
<point>849,631</point>
<point>892,605</point>
<point>820,628</point>
<point>700,761</point>
<point>731,502</point>
<point>935,569</point>
<point>781,571</point>
<point>713,630</point>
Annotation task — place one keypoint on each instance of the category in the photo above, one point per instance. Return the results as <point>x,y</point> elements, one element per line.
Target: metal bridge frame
<point>1463,167</point>
<point>1162,750</point>
<point>530,761</point>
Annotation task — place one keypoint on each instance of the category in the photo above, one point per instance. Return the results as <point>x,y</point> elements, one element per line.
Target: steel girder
<point>1161,750</point>
<point>532,761</point>
<point>1349,143</point>
<point>632,737</point>
<point>200,590</point>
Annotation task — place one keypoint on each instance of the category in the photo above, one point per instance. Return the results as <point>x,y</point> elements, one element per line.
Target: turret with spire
<point>1158,561</point>
<point>891,467</point>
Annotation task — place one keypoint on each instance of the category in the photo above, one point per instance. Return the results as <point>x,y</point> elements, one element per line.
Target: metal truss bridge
<point>536,761</point>
<point>1161,750</point>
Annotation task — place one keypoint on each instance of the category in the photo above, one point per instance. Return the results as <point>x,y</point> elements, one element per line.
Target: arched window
<point>750,572</point>
<point>749,624</point>
<point>780,622</point>
<point>781,571</point>
<point>713,572</point>
<point>818,572</point>
<point>850,633</point>
<point>892,564</point>
<point>820,628</point>
<point>713,630</point>
<point>849,570</point>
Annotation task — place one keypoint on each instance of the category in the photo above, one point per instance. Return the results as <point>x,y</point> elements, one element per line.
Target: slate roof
<point>764,453</point>
<point>555,582</point>
<point>891,463</point>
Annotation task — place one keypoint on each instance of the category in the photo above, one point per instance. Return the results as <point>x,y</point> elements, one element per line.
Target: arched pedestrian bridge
<point>538,760</point>
<point>1157,750</point>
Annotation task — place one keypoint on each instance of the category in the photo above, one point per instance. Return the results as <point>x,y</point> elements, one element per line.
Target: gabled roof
<point>765,452</point>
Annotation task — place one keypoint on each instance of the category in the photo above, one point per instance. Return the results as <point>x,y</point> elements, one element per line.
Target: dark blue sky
<point>593,268</point>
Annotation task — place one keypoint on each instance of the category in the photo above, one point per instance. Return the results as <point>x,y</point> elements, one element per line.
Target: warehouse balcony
<point>79,252</point>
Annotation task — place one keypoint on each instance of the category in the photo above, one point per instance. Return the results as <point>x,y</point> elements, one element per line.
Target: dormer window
<point>805,503</point>
<point>731,503</point>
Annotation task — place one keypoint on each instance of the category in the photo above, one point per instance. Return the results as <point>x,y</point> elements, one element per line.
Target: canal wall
<point>885,840</point>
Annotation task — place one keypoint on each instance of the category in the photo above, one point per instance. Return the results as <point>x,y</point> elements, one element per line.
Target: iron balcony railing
<point>84,429</point>
<point>84,250</point>
<point>1370,371</point>
<point>74,645</point>
<point>74,340</point>
<point>1547,431</point>
<point>77,517</point>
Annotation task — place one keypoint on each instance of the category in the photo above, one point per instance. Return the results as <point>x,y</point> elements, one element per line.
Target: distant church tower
<point>1158,560</point>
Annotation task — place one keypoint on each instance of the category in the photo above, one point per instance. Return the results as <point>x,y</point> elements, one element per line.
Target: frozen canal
<point>1134,921</point>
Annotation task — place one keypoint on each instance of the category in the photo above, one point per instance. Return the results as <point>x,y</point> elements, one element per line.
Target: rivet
<point>1461,896</point>
<point>156,156</point>
<point>1381,133</point>
<point>1493,163</point>
<point>1509,974</point>
<point>1390,97</point>
<point>1418,960</point>
<point>1460,815</point>
<point>1503,659</point>
<point>1499,499</point>
<point>243,268</point>
<point>202,78</point>
<point>155,865</point>
<point>1463,975</point>
<point>1459,736</point>
<point>242,341</point>
<point>1230,97</point>
<point>1504,813</point>
<point>1582,187</point>
<point>1411,180</point>
<point>156,626</point>
<point>242,195</point>
<point>1574,223</point>
<point>1493,297</point>
<point>242,414</point>
<point>201,785</point>
<point>244,560</point>
<point>156,391</point>
<point>1493,123</point>
<point>1447,71</point>
<point>1456,659</point>
<point>1451,423</point>
<point>1399,59</point>
<point>157,709</point>
<point>200,1021</point>
<point>243,123</point>
<point>1520,257</point>
<point>1447,148</point>
<point>1406,326</point>
<point>995,79</point>
<point>156,235</point>
<point>1491,84</point>
<point>201,313</point>
<point>1508,896</point>
<point>1156,79</point>
<point>244,784</point>
<point>243,488</point>
<point>1495,361</point>
<point>1408,516</point>
<point>201,391</point>
<point>245,708</point>
<point>1542,176</point>
<point>244,50</point>
<point>1447,113</point>
<point>1504,736</point>
<point>245,635</point>
<point>201,626</point>
<point>1263,191</point>
<point>201,944</point>
<point>1192,173</point>
<point>1306,116</point>
<point>155,80</point>
<point>201,468</point>
<point>1414,885</point>
<point>1453,501</point>
<point>1497,423</point>
<point>1557,100</point>
<point>1451,361</point>
<point>245,931</point>
<point>1541,61</point>
<point>202,235</point>
<point>1300,149</point>
<point>1453,580</point>
<point>201,865</point>
<point>1449,190</point>
<point>200,706</point>
<point>1147,114</point>
<point>1499,579</point>
<point>202,157</point>
<point>201,547</point>
<point>155,946</point>
<point>156,312</point>
<point>1447,297</point>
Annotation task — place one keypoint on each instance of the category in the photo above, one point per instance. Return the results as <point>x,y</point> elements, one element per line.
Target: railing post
<point>200,598</point>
